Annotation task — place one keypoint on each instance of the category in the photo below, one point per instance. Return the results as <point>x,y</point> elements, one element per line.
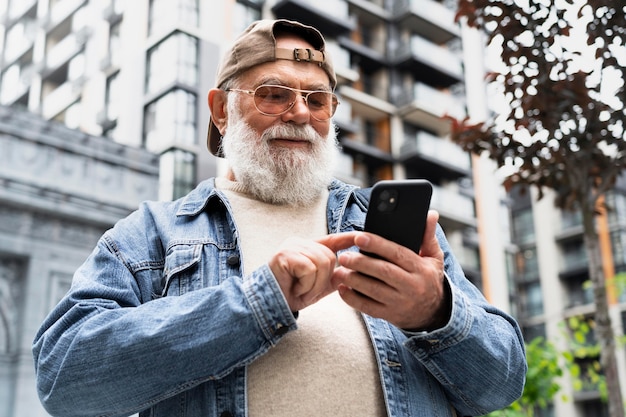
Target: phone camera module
<point>388,200</point>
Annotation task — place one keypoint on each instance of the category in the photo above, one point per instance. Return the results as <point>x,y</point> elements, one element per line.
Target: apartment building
<point>549,272</point>
<point>137,72</point>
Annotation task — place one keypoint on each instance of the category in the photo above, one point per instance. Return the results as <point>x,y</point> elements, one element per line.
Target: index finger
<point>338,241</point>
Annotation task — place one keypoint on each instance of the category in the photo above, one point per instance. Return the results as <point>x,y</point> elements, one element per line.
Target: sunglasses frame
<point>302,93</point>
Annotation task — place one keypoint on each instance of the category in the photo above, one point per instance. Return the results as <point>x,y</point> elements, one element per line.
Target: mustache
<point>289,131</point>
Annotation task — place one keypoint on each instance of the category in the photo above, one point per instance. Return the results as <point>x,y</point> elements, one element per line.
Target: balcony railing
<point>439,149</point>
<point>453,206</point>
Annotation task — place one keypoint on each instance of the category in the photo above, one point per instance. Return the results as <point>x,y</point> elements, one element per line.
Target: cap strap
<point>300,54</point>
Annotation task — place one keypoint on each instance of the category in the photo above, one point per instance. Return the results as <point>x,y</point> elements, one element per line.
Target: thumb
<point>430,245</point>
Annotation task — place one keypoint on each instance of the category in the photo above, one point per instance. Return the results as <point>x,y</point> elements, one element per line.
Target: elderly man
<point>249,296</point>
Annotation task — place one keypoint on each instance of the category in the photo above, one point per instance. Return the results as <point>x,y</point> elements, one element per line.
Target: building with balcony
<point>550,278</point>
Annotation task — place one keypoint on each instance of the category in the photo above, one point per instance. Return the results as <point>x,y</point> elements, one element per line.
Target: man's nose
<point>299,112</point>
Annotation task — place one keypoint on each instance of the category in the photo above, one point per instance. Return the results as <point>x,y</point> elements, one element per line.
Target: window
<point>526,264</point>
<point>11,294</point>
<point>115,44</point>
<point>245,13</point>
<point>175,59</point>
<point>112,97</point>
<point>165,14</point>
<point>523,228</point>
<point>170,119</point>
<point>112,101</point>
<point>574,256</point>
<point>177,174</point>
<point>531,299</point>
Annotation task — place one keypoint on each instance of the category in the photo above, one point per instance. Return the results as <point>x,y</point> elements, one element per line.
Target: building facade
<point>60,189</point>
<point>137,73</point>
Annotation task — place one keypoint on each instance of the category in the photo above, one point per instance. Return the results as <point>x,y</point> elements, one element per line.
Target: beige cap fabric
<point>257,45</point>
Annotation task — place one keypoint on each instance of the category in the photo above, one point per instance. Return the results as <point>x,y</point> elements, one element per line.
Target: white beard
<point>274,174</point>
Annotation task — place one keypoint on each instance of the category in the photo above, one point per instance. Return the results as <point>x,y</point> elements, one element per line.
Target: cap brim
<point>214,140</point>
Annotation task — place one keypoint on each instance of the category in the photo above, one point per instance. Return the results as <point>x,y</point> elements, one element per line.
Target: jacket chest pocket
<point>183,271</point>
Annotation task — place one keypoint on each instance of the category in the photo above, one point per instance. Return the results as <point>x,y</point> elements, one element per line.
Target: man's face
<point>300,75</point>
<point>285,159</point>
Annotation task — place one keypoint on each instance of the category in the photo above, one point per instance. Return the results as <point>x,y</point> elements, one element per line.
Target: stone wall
<point>60,189</point>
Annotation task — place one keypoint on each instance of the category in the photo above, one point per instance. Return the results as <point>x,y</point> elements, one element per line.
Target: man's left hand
<point>405,288</point>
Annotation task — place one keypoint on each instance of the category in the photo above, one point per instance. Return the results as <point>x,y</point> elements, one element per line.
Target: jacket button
<point>233,260</point>
<point>280,330</point>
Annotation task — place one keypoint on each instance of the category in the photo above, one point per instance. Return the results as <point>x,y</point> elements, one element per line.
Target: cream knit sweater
<point>325,368</point>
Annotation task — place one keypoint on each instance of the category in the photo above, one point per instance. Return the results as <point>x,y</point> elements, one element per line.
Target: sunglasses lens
<point>322,105</point>
<point>273,100</point>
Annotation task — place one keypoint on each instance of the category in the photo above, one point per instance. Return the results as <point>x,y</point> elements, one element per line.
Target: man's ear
<point>217,105</point>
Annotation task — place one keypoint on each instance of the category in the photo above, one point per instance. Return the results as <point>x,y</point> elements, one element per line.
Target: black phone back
<point>398,210</point>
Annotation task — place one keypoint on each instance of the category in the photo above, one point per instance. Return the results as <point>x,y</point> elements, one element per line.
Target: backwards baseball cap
<point>257,45</point>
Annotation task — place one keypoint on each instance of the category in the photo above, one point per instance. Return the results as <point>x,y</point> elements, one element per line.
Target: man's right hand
<point>303,268</point>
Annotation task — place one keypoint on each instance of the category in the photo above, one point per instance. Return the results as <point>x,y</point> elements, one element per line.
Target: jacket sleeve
<point>104,352</point>
<point>478,357</point>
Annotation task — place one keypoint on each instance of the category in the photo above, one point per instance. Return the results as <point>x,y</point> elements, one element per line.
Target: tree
<point>564,129</point>
<point>541,385</point>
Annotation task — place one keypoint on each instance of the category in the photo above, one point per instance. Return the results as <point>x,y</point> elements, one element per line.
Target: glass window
<point>115,44</point>
<point>532,299</point>
<point>177,174</point>
<point>175,59</point>
<point>170,119</point>
<point>526,264</point>
<point>245,14</point>
<point>164,14</point>
<point>523,228</point>
<point>112,97</point>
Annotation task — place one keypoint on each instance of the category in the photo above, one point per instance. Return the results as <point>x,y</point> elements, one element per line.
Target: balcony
<point>329,16</point>
<point>61,98</point>
<point>65,50</point>
<point>345,170</point>
<point>426,106</point>
<point>574,264</point>
<point>436,156</point>
<point>456,210</point>
<point>17,9</point>
<point>341,62</point>
<point>20,38</point>
<point>365,153</point>
<point>343,117</point>
<point>428,18</point>
<point>368,10</point>
<point>366,105</point>
<point>369,58</point>
<point>433,63</point>
<point>16,82</point>
<point>61,11</point>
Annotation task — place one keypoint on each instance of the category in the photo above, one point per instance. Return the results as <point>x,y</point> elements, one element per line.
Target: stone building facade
<point>60,189</point>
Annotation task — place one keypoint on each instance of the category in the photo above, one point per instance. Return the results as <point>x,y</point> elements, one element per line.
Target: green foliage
<point>541,385</point>
<point>583,356</point>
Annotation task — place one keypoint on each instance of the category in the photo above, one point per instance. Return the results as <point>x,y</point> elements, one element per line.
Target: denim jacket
<point>160,321</point>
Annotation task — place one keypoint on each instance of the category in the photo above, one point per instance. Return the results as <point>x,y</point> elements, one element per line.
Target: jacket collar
<point>195,202</point>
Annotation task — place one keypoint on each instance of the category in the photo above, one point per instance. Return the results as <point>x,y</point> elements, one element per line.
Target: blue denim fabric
<point>160,321</point>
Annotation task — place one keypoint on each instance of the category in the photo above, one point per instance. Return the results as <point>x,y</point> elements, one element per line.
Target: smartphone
<point>398,210</point>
